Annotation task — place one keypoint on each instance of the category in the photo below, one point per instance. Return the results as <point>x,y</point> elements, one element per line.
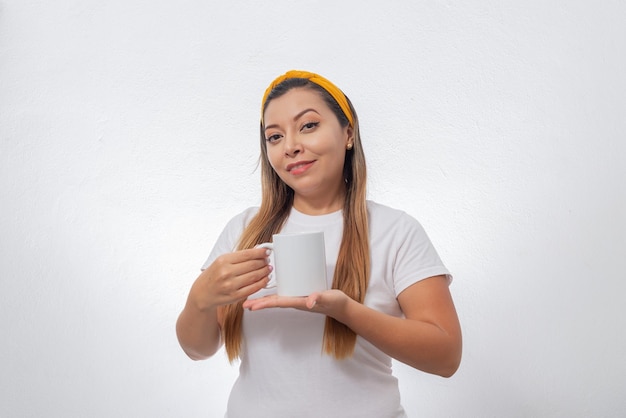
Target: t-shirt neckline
<point>315,220</point>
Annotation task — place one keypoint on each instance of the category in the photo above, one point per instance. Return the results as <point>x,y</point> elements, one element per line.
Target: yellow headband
<point>320,81</point>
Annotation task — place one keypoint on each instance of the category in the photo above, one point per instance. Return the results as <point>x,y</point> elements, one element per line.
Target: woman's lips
<point>299,167</point>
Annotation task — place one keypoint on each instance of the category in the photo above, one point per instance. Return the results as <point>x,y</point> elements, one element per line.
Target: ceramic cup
<point>299,262</point>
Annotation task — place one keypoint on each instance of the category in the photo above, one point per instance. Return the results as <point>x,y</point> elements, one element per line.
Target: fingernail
<point>267,252</point>
<point>271,267</point>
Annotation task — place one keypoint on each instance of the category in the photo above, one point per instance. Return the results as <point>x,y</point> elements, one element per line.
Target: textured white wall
<point>128,137</point>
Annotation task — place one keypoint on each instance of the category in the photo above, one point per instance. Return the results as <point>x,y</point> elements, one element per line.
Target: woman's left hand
<point>328,302</point>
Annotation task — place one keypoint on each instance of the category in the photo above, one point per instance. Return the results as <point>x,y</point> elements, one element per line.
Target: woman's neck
<point>319,206</point>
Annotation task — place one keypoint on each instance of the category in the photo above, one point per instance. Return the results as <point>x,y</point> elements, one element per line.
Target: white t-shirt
<point>283,370</point>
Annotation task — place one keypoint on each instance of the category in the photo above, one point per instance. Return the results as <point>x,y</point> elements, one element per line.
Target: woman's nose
<point>293,146</point>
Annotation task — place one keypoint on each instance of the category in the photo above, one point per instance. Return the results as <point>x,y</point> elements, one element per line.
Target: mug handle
<point>270,246</point>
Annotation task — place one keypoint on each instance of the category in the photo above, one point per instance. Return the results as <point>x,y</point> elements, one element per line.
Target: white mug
<point>299,262</point>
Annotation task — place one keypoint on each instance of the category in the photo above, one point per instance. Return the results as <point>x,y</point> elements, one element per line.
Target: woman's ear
<point>349,136</point>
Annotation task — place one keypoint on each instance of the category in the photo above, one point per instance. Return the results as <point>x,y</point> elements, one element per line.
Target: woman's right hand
<point>231,278</point>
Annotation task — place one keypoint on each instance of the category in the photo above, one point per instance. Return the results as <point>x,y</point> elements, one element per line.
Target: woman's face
<point>306,146</point>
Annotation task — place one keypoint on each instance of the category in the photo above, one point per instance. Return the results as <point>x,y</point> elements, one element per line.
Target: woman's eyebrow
<point>295,118</point>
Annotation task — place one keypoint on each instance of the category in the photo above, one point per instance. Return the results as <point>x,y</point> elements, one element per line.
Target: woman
<point>330,354</point>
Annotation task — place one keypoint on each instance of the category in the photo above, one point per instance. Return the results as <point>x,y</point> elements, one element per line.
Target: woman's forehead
<point>292,103</point>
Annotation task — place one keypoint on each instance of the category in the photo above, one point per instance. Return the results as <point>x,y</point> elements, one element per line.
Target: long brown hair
<point>353,262</point>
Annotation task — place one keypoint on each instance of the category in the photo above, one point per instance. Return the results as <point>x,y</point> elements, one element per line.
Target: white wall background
<point>128,137</point>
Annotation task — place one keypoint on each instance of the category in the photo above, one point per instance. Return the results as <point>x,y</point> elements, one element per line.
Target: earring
<point>349,146</point>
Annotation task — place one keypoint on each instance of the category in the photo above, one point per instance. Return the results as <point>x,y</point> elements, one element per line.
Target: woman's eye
<point>310,125</point>
<point>273,138</point>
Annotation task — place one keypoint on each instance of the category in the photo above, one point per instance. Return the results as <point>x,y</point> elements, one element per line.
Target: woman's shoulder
<point>378,209</point>
<point>383,212</point>
<point>243,218</point>
<point>387,218</point>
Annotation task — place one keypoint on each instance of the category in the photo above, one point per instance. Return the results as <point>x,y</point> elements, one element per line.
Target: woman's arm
<point>428,338</point>
<point>198,331</point>
<point>229,279</point>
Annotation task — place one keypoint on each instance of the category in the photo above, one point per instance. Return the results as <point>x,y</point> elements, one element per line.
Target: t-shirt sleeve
<point>229,238</point>
<point>416,258</point>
